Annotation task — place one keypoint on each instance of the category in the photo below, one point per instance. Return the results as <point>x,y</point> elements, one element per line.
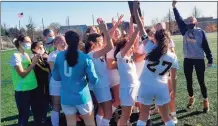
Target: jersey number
<point>67,72</point>
<point>152,69</point>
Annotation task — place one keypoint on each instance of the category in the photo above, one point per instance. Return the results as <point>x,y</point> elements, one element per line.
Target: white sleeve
<point>171,44</point>
<point>175,63</point>
<point>51,57</point>
<point>110,54</point>
<point>15,60</point>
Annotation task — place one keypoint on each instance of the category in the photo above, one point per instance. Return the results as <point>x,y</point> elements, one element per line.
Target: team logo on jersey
<point>102,59</point>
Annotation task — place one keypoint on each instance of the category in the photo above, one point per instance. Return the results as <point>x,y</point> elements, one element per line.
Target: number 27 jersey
<point>158,72</point>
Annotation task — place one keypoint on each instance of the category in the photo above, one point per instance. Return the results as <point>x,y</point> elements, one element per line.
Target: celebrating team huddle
<point>107,72</point>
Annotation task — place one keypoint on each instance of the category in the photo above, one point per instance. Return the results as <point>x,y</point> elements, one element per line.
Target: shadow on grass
<point>48,122</point>
<point>133,119</point>
<point>180,117</point>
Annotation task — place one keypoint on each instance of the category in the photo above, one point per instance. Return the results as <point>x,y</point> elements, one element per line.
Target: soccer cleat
<point>175,120</point>
<point>206,106</point>
<point>191,102</point>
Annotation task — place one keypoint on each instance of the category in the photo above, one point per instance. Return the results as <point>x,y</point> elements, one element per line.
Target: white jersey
<point>157,72</point>
<point>52,56</point>
<point>101,70</point>
<point>127,71</point>
<point>140,65</point>
<point>113,74</point>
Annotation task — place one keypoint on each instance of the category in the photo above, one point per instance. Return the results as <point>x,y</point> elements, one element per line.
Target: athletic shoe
<point>175,120</point>
<point>206,106</point>
<point>191,102</point>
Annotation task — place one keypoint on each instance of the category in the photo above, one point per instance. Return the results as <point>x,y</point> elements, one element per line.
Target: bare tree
<point>196,12</point>
<point>31,28</point>
<point>169,19</point>
<point>155,21</point>
<point>55,26</point>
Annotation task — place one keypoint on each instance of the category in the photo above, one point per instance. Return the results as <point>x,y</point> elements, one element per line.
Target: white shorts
<point>54,87</point>
<point>149,92</point>
<point>102,94</point>
<point>114,78</point>
<point>83,109</point>
<point>128,96</point>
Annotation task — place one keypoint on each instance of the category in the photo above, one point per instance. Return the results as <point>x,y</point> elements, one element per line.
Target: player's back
<point>158,72</point>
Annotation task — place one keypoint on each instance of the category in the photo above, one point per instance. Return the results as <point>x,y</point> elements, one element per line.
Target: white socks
<point>55,118</point>
<point>170,123</point>
<point>141,123</point>
<point>105,122</point>
<point>98,119</point>
<point>173,113</point>
<point>113,109</point>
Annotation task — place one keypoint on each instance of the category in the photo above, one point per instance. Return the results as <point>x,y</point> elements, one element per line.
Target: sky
<point>81,12</point>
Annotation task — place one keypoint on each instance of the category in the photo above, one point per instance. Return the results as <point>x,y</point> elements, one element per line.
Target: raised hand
<point>101,24</point>
<point>35,59</point>
<point>174,3</point>
<point>113,22</point>
<point>120,20</point>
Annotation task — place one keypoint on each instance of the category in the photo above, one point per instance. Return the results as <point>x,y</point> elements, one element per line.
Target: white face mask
<point>26,46</point>
<point>50,39</point>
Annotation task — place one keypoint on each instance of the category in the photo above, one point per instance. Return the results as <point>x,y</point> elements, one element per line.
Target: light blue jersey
<point>74,88</point>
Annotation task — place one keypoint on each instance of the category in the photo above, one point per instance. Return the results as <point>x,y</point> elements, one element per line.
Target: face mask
<point>190,26</point>
<point>27,46</point>
<point>41,52</point>
<point>50,39</point>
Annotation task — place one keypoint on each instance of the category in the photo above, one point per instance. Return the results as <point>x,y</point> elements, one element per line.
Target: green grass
<point>186,117</point>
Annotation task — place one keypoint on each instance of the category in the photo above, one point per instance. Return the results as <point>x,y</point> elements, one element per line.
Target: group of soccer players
<point>108,71</point>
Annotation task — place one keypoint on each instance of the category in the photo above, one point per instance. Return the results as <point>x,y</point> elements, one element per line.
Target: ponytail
<point>20,38</point>
<point>72,39</point>
<point>120,44</point>
<point>162,46</point>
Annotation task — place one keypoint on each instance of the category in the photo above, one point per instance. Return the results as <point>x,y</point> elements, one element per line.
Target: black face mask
<point>190,26</point>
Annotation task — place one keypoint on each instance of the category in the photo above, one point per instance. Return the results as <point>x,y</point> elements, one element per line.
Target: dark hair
<point>162,39</point>
<point>46,31</point>
<point>34,44</point>
<point>20,38</point>
<point>91,38</point>
<point>148,30</point>
<point>72,40</point>
<point>120,44</point>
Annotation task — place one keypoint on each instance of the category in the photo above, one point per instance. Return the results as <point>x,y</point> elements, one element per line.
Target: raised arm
<point>130,43</point>
<point>131,26</point>
<point>115,25</point>
<point>138,19</point>
<point>179,20</point>
<point>109,44</point>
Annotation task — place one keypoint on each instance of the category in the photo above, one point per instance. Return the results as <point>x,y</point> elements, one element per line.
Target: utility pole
<point>169,21</point>
<point>93,20</point>
<point>43,25</point>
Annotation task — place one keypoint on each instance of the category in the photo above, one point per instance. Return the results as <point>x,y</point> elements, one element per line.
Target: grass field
<point>193,117</point>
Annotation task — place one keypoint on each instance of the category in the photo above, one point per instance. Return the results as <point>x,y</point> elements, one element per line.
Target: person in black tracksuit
<point>195,44</point>
<point>42,71</point>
